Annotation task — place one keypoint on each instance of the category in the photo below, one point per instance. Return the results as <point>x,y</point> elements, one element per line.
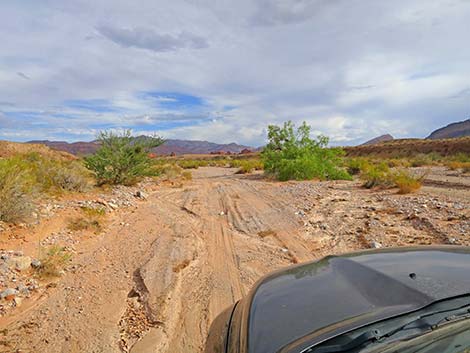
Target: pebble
<point>19,263</point>
<point>35,263</point>
<point>8,292</point>
<point>375,245</point>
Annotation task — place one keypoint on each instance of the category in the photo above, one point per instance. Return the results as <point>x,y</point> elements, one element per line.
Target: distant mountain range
<point>382,138</point>
<point>167,148</point>
<point>175,146</point>
<point>454,130</point>
<point>459,129</point>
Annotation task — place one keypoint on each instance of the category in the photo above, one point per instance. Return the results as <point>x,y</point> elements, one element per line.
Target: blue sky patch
<point>174,100</point>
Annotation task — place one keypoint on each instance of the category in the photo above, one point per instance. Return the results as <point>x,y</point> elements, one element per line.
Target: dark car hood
<point>313,302</point>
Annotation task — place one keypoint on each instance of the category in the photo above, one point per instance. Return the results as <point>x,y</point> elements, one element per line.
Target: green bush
<point>356,165</point>
<point>122,159</point>
<point>294,155</point>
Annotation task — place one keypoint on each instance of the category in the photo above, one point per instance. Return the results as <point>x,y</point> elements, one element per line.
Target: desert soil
<point>162,271</point>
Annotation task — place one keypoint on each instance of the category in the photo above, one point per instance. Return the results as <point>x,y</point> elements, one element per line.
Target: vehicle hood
<point>307,304</point>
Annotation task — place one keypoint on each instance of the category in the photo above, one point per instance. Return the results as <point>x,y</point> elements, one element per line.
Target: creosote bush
<point>122,158</point>
<point>292,154</point>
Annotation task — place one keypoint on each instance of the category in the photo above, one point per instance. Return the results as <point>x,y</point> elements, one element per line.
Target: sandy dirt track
<point>160,274</point>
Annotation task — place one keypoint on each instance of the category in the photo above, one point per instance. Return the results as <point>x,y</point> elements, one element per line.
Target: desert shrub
<point>294,155</point>
<point>461,157</point>
<point>422,159</point>
<point>186,175</point>
<point>376,175</point>
<point>15,192</point>
<point>92,218</point>
<point>455,165</point>
<point>53,261</point>
<point>356,165</point>
<point>406,182</point>
<point>398,162</point>
<point>122,158</point>
<point>171,171</point>
<point>25,177</point>
<point>71,177</point>
<point>246,165</point>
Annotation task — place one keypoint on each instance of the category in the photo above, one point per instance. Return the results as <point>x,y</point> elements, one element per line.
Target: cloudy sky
<point>224,70</point>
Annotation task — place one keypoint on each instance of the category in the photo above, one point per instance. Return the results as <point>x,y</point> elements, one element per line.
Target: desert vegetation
<point>122,158</point>
<point>293,154</point>
<point>26,177</point>
<point>52,262</point>
<point>90,219</point>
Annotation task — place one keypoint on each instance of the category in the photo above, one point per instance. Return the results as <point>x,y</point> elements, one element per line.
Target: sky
<point>224,70</point>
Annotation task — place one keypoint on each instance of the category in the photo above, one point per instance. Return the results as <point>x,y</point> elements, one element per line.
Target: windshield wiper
<point>425,322</point>
<point>356,342</point>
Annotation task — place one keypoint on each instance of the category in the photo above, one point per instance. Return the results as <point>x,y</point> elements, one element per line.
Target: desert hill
<point>459,129</point>
<point>378,139</point>
<point>9,149</point>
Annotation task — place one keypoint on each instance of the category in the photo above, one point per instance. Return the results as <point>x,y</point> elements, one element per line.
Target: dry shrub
<point>406,182</point>
<point>246,165</point>
<point>15,193</point>
<point>53,262</point>
<point>92,219</point>
<point>378,175</point>
<point>171,171</point>
<point>456,165</point>
<point>187,175</point>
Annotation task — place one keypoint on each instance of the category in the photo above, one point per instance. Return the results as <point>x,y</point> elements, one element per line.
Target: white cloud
<point>148,38</point>
<point>353,69</point>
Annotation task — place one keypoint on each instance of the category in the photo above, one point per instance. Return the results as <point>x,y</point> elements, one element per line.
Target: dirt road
<point>160,274</point>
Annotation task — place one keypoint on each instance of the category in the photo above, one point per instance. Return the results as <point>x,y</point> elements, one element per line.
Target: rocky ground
<point>171,257</point>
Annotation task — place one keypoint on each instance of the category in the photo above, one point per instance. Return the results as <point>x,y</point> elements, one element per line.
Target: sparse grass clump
<point>122,158</point>
<point>92,218</point>
<point>294,155</point>
<point>53,262</point>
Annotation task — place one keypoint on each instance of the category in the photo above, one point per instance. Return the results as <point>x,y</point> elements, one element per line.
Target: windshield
<point>404,331</point>
<point>454,338</point>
